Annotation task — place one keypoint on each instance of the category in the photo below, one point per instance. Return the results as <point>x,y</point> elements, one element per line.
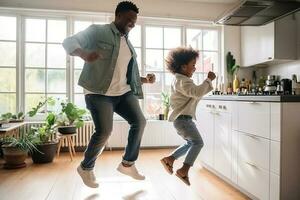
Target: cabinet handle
<point>249,102</point>
<point>253,137</point>
<point>252,165</point>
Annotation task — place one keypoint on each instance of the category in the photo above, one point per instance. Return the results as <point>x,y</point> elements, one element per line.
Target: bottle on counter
<point>236,84</point>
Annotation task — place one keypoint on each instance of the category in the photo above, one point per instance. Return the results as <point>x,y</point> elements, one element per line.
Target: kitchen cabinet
<point>271,43</point>
<point>214,124</point>
<point>253,145</point>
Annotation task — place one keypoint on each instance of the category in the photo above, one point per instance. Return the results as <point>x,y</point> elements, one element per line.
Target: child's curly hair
<point>180,56</point>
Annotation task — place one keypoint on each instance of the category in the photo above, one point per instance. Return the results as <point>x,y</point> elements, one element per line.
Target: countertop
<point>259,98</point>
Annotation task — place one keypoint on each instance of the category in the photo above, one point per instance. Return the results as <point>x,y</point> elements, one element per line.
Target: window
<point>8,64</point>
<point>34,65</point>
<point>45,60</point>
<point>159,40</point>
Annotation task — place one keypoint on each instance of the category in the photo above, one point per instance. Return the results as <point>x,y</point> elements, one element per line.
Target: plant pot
<point>14,157</point>
<point>67,129</point>
<point>46,154</point>
<point>166,113</point>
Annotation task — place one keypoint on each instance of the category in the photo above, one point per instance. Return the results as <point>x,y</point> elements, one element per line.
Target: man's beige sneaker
<point>130,171</point>
<point>88,177</point>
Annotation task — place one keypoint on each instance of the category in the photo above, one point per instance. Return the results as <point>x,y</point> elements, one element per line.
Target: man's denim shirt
<point>96,76</point>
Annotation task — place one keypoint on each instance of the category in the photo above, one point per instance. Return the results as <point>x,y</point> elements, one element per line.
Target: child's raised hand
<point>211,75</point>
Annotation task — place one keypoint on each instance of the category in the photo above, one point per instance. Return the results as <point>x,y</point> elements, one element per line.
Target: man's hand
<point>87,56</point>
<point>91,56</point>
<point>211,75</point>
<point>150,78</point>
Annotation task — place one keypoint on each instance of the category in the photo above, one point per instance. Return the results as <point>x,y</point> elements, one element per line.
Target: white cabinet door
<point>259,112</point>
<point>275,157</point>
<point>266,42</point>
<point>205,125</point>
<point>254,150</point>
<point>222,146</point>
<point>251,53</point>
<point>254,180</point>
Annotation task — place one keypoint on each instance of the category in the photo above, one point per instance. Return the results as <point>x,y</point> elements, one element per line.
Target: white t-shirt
<point>118,85</point>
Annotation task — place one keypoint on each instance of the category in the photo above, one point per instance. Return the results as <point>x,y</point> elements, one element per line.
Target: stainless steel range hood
<point>258,12</point>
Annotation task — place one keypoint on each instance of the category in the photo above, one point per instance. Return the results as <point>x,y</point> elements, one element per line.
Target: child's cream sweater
<point>185,95</point>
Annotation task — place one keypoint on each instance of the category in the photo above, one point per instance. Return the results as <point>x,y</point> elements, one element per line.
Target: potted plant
<point>15,150</point>
<point>43,136</point>
<point>18,117</point>
<point>232,68</point>
<point>166,104</point>
<point>70,118</point>
<point>3,120</point>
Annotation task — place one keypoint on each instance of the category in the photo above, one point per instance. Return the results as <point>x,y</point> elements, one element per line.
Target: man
<point>111,82</point>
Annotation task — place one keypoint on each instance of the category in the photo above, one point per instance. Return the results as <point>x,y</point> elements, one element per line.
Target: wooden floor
<point>59,180</point>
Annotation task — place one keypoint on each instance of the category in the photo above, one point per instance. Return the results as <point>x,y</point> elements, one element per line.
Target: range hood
<point>258,12</point>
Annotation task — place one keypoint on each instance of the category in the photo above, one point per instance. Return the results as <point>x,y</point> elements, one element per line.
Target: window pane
<point>57,30</point>
<point>135,36</point>
<point>31,100</point>
<point>34,55</point>
<point>168,82</point>
<point>153,105</point>
<point>199,63</point>
<point>154,37</point>
<point>56,56</point>
<point>81,25</point>
<point>7,103</point>
<point>35,80</point>
<point>35,30</point>
<point>77,88</point>
<point>79,100</point>
<point>154,60</point>
<point>78,62</point>
<point>210,40</point>
<point>8,54</point>
<point>9,32</point>
<point>7,80</point>
<point>172,37</point>
<point>210,59</point>
<point>157,86</point>
<point>194,38</point>
<point>56,81</point>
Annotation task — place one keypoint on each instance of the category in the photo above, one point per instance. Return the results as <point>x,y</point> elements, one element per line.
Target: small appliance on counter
<point>296,84</point>
<point>271,84</point>
<point>286,86</point>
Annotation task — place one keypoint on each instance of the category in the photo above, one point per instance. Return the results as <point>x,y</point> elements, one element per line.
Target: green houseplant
<point>18,117</point>
<point>166,104</point>
<point>43,136</point>
<point>231,65</point>
<point>70,118</point>
<point>15,150</point>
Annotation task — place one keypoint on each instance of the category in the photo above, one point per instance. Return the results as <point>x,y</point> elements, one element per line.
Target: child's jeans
<point>187,129</point>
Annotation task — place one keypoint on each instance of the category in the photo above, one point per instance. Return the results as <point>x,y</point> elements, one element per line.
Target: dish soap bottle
<point>236,84</point>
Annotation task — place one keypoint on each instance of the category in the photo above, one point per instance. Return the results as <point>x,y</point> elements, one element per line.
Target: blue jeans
<point>187,129</point>
<point>102,109</point>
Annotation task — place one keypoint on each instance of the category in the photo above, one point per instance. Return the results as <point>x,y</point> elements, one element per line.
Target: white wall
<point>150,8</point>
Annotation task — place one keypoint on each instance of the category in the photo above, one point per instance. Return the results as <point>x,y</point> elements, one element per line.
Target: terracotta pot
<point>14,157</point>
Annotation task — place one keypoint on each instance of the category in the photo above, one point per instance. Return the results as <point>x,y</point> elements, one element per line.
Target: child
<point>185,96</point>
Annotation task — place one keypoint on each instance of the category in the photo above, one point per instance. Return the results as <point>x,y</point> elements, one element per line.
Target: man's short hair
<point>125,6</point>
